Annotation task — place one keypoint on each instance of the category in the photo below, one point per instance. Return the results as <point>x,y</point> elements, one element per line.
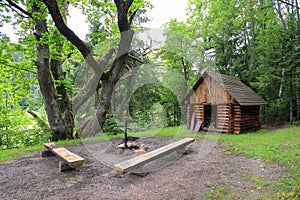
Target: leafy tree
<point>54,42</point>
<point>16,77</point>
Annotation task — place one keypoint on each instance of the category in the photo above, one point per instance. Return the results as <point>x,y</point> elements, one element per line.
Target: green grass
<point>12,154</point>
<point>281,146</point>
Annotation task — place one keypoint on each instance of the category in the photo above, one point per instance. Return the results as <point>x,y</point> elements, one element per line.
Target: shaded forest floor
<point>217,175</point>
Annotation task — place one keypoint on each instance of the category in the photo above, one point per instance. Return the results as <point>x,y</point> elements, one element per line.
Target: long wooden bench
<point>69,160</point>
<point>138,161</point>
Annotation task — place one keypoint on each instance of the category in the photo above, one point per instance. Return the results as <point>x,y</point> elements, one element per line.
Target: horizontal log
<point>223,118</point>
<point>136,162</point>
<point>248,121</point>
<point>248,127</point>
<point>224,108</point>
<point>223,112</point>
<point>222,129</point>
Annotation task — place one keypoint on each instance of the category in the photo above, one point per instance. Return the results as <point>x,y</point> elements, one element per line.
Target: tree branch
<point>132,16</point>
<point>71,36</point>
<point>278,10</point>
<point>289,4</point>
<point>91,86</point>
<point>128,3</point>
<point>122,7</point>
<point>17,12</point>
<point>14,5</point>
<point>8,65</point>
<point>39,120</point>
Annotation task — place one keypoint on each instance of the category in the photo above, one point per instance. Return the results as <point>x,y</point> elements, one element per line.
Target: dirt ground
<point>192,176</point>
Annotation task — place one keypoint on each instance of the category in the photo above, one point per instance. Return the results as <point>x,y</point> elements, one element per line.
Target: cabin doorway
<point>210,116</point>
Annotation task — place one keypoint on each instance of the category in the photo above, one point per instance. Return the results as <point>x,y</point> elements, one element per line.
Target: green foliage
<point>111,126</point>
<point>10,139</point>
<point>183,53</point>
<point>18,87</point>
<point>255,41</point>
<point>103,19</point>
<point>22,130</point>
<point>144,106</point>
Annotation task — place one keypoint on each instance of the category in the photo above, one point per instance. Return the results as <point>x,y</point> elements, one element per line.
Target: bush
<point>10,139</point>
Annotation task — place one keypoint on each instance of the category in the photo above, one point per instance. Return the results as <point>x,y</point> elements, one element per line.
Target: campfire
<point>131,146</point>
<point>128,145</point>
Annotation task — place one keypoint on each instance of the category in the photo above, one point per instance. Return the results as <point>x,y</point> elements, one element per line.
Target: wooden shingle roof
<point>243,94</point>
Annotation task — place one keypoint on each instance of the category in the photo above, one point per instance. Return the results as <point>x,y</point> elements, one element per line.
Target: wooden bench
<point>69,160</point>
<point>138,161</point>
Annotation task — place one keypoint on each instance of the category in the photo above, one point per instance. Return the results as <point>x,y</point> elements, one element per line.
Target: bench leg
<point>185,150</point>
<point>141,174</point>
<point>64,166</point>
<point>47,153</point>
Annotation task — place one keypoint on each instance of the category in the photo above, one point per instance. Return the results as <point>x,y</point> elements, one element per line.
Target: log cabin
<point>224,104</point>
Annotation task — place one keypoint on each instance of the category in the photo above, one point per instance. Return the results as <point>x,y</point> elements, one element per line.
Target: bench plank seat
<point>128,165</point>
<point>72,159</point>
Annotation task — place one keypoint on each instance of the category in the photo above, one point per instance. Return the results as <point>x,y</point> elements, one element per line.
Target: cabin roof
<point>243,94</point>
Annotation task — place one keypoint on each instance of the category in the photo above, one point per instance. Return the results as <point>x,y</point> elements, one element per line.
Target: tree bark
<point>298,94</point>
<point>291,96</point>
<point>58,109</point>
<point>91,86</point>
<point>93,124</point>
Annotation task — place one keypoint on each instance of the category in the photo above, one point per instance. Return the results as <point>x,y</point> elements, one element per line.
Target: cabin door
<point>210,116</point>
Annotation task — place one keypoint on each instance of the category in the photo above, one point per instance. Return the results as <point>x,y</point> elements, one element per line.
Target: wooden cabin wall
<point>250,118</point>
<point>245,119</point>
<point>210,92</point>
<point>231,118</point>
<point>224,118</point>
<point>196,110</point>
<point>236,119</point>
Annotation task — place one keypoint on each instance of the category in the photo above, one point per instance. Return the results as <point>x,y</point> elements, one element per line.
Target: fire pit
<point>130,147</point>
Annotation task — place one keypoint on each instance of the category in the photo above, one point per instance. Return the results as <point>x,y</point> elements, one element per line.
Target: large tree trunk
<point>56,102</point>
<point>93,124</point>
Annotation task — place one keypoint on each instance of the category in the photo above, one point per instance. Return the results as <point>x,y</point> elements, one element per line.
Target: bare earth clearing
<point>190,177</point>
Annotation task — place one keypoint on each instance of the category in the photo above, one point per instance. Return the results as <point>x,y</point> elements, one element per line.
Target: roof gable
<point>243,94</point>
